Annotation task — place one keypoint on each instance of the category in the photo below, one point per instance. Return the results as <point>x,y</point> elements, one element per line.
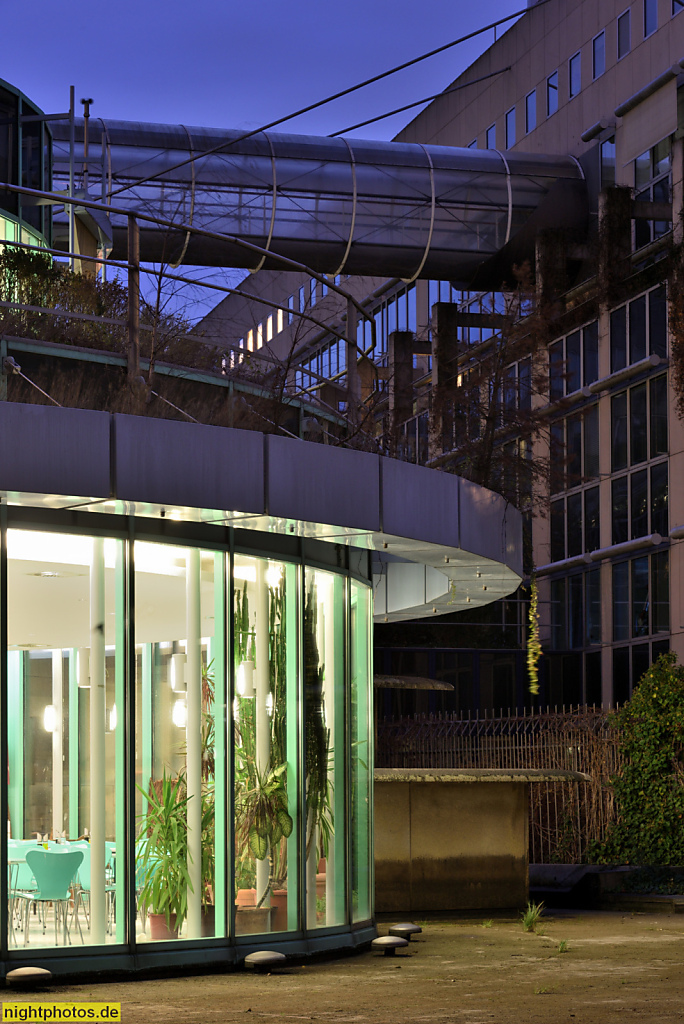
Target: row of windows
<point>598,67</point>
<point>639,424</point>
<point>299,302</point>
<point>575,524</point>
<point>639,504</point>
<point>573,362</point>
<point>575,449</point>
<point>397,313</point>
<point>640,603</point>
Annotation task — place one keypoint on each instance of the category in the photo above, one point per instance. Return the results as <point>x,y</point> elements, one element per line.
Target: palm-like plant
<point>261,812</point>
<point>163,850</point>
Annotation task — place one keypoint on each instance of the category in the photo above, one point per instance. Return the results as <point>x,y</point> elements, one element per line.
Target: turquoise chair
<point>54,874</point>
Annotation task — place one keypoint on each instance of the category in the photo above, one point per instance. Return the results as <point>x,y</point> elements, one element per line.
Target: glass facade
<point>189,748</point>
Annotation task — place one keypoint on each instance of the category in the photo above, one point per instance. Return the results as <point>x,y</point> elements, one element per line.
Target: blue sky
<point>222,64</point>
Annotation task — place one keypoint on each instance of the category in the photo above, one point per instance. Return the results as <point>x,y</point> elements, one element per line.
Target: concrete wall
<point>450,845</point>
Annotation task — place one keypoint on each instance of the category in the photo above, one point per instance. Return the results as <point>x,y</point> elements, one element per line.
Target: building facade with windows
<point>599,80</point>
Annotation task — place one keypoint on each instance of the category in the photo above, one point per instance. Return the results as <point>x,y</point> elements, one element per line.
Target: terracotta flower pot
<point>252,920</point>
<point>245,898</point>
<point>159,930</point>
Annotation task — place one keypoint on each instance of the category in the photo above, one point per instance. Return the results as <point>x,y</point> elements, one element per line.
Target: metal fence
<point>564,817</point>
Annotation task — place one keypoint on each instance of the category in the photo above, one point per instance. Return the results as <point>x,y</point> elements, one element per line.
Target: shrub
<point>649,791</point>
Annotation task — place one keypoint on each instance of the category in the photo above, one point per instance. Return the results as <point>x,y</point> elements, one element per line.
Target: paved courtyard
<point>590,967</point>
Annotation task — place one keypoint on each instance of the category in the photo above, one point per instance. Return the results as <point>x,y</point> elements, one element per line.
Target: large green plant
<point>163,850</point>
<point>649,791</point>
<point>317,750</point>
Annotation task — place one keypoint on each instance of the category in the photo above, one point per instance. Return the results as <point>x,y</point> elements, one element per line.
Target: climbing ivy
<point>649,791</point>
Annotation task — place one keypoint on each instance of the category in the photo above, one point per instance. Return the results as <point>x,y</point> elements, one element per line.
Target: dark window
<point>525,384</point>
<point>623,35</point>
<point>620,521</point>
<point>592,678</point>
<point>490,137</point>
<point>637,425</point>
<point>621,601</point>
<point>591,442</point>
<point>660,589</point>
<point>592,607</point>
<point>557,457</point>
<point>574,75</point>
<point>658,415</point>
<point>639,504</point>
<point>576,616</point>
<point>598,48</point>
<point>558,635</point>
<point>552,94</point>
<point>618,339</point>
<point>640,661</point>
<point>574,521</point>
<point>677,6</point>
<point>640,596</point>
<point>637,329</point>
<point>650,17</point>
<point>621,687</point>
<point>592,533</point>
<point>619,432</point>
<point>557,530</point>
<point>590,337</point>
<point>572,363</point>
<point>531,111</point>
<point>574,449</point>
<point>659,517</point>
<point>657,322</point>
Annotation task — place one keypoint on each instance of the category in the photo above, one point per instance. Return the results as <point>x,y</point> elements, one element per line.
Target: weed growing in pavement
<point>530,918</point>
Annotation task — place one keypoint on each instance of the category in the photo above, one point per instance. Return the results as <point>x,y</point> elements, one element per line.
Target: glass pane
<point>618,407</point>
<point>620,523</point>
<point>575,83</point>
<point>66,657</point>
<point>572,362</point>
<point>599,55</point>
<point>558,638</point>
<point>637,425</point>
<point>592,678</point>
<point>557,530</point>
<point>576,618</point>
<point>623,34</point>
<point>618,339</point>
<point>265,727</point>
<point>590,340</point>
<point>324,709</point>
<point>176,610</point>
<point>574,525</point>
<point>639,504</point>
<point>640,662</point>
<point>574,449</point>
<point>660,592</point>
<point>592,533</point>
<point>657,322</point>
<point>621,601</point>
<point>658,416</point>
<point>361,755</point>
<point>640,625</point>
<point>592,604</point>
<point>659,517</point>
<point>556,375</point>
<point>552,94</point>
<point>621,687</point>
<point>637,329</point>
<point>591,442</point>
<point>557,474</point>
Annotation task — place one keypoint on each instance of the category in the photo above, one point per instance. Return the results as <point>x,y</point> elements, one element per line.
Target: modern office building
<point>598,81</point>
<point>186,615</point>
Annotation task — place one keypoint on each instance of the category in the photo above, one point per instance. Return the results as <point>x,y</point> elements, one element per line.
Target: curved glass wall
<point>189,744</point>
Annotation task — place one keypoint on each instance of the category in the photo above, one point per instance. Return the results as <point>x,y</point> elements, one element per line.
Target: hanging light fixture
<point>113,719</point>
<point>178,662</point>
<point>50,718</point>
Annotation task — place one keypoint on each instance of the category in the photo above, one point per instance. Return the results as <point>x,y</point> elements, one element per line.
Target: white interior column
<point>194,742</point>
<point>97,743</point>
<point>328,632</point>
<point>263,730</point>
<point>57,746</point>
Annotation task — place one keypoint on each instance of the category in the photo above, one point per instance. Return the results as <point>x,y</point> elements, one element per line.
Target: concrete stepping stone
<point>28,977</point>
<point>265,960</point>
<point>388,944</point>
<point>405,930</point>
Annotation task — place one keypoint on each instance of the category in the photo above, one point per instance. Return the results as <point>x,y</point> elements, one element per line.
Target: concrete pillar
<point>400,390</point>
<point>97,743</point>
<point>193,670</point>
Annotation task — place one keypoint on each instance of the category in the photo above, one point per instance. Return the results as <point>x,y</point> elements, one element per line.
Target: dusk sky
<point>221,64</point>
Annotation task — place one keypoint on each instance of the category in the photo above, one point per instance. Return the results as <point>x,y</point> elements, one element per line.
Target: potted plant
<point>163,857</point>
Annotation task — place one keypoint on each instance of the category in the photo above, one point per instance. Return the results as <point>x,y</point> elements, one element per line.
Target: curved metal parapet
<point>387,209</point>
<point>437,543</point>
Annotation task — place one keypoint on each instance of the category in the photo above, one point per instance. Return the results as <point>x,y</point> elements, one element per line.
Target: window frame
<point>571,65</point>
<point>492,130</point>
<point>530,96</point>
<point>594,73</point>
<point>552,90</point>
<point>650,7</point>
<point>509,122</point>
<point>628,16</point>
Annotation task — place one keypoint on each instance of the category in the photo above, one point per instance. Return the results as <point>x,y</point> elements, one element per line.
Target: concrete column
<point>57,741</point>
<point>193,676</point>
<point>353,380</point>
<point>400,352</point>
<point>444,364</point>
<point>97,743</point>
